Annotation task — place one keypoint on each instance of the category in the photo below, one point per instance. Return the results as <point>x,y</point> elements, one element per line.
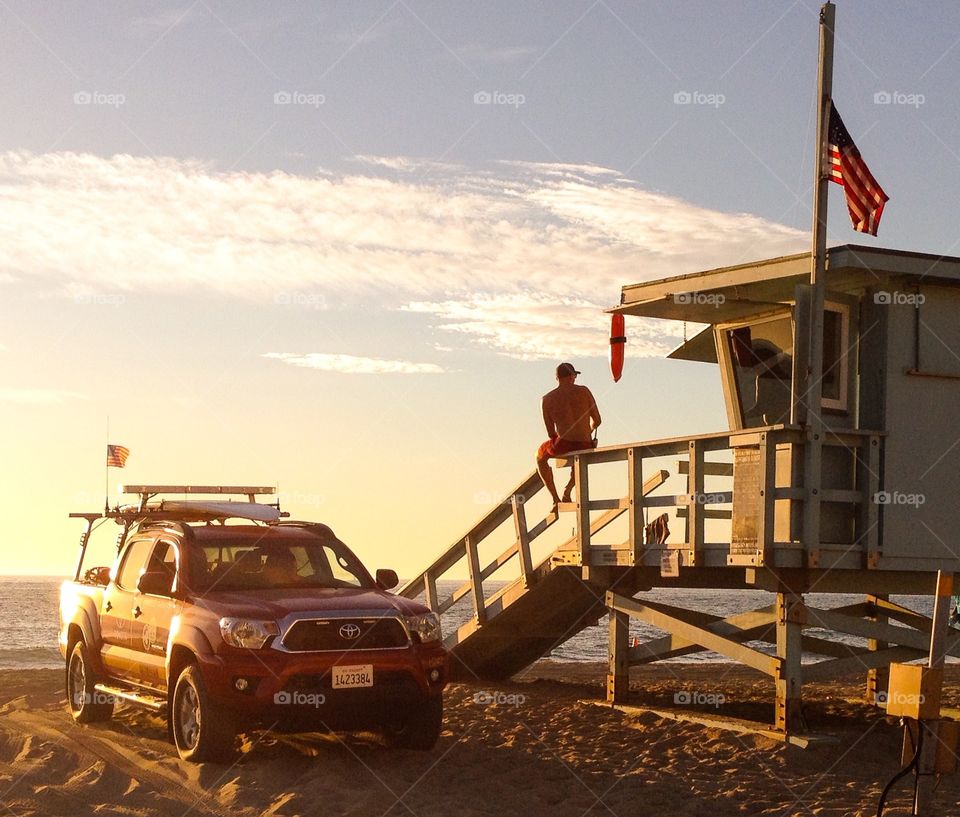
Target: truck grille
<point>339,634</point>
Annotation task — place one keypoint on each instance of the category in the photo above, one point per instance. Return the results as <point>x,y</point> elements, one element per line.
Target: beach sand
<point>544,748</point>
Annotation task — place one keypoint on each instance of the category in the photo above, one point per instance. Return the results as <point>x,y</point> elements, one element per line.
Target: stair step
<point>140,698</point>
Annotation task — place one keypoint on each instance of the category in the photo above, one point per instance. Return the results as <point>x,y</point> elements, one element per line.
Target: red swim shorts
<point>558,447</point>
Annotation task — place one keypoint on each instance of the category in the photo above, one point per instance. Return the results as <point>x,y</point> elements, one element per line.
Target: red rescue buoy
<point>618,341</point>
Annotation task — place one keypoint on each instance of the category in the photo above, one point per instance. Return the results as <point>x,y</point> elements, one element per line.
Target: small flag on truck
<point>117,456</point>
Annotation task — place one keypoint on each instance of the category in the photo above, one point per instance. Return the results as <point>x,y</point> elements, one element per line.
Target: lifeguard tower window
<point>761,355</point>
<point>836,353</point>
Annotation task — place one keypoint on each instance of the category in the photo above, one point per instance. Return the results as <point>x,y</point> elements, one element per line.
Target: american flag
<point>865,198</point>
<point>117,455</point>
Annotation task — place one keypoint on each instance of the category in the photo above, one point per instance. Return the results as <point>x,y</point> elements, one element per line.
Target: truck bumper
<point>295,691</point>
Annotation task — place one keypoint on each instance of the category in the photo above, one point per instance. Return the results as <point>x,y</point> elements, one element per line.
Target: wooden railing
<point>468,546</point>
<point>695,507</point>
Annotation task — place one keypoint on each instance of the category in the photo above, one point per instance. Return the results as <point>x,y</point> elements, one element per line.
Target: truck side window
<point>164,559</point>
<point>134,560</point>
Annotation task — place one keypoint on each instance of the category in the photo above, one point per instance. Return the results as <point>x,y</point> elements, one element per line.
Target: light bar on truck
<point>196,489</point>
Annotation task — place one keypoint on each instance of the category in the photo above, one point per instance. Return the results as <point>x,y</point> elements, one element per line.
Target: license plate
<point>360,675</point>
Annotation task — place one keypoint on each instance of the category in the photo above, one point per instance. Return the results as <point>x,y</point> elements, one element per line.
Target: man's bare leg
<point>568,491</point>
<point>546,474</point>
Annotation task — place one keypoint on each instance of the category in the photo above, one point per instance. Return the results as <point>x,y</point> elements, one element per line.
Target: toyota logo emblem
<point>349,631</point>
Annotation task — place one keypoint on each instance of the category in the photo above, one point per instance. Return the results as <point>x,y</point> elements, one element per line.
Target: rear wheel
<point>202,730</point>
<point>419,728</point>
<point>86,704</point>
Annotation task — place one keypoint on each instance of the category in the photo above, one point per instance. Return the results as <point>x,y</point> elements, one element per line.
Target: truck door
<point>157,611</point>
<point>117,617</point>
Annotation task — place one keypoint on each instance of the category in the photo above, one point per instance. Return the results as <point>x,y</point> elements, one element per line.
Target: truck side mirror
<point>155,583</point>
<point>387,579</point>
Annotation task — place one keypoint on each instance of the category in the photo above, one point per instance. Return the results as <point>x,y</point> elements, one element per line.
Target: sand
<point>543,748</point>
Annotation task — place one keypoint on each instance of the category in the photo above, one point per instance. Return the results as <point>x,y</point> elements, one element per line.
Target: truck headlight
<point>247,633</point>
<point>426,626</point>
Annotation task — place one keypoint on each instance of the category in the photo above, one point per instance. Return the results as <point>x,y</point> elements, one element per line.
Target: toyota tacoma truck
<point>225,617</point>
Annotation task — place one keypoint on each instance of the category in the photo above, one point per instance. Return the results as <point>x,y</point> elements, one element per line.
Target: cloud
<point>536,327</point>
<point>517,257</point>
<point>39,397</point>
<point>497,55</point>
<point>350,364</point>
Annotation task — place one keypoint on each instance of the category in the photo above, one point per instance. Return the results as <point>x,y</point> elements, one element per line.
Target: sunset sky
<point>340,247</point>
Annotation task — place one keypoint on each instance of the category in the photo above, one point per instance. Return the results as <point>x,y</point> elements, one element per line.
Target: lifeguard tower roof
<point>748,288</point>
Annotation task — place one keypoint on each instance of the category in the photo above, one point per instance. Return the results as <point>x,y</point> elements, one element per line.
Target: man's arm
<point>594,411</point>
<point>548,421</point>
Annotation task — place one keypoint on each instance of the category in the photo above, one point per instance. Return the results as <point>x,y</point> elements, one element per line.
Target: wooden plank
<point>737,725</point>
<point>542,525</point>
<point>882,631</point>
<point>635,494</point>
<point>942,604</point>
<point>740,628</point>
<point>430,591</point>
<point>788,677</point>
<point>708,513</point>
<point>869,482</point>
<point>609,504</point>
<point>768,484</point>
<point>710,469</point>
<point>583,504</point>
<point>696,497</point>
<point>812,483</point>
<point>618,669</point>
<point>523,541</point>
<point>752,626</point>
<point>716,441</point>
<point>902,614</point>
<point>650,613</point>
<point>476,582</point>
<point>863,660</point>
<point>878,678</point>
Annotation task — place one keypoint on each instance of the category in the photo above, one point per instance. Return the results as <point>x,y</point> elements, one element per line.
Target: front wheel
<point>202,730</point>
<point>86,704</point>
<point>420,728</point>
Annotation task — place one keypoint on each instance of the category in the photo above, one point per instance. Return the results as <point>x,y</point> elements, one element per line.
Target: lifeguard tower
<point>872,513</point>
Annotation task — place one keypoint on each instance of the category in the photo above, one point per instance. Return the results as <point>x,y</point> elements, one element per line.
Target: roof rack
<point>183,510</point>
<point>148,491</point>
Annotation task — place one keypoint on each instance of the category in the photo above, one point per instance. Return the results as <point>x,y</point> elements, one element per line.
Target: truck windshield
<point>263,565</point>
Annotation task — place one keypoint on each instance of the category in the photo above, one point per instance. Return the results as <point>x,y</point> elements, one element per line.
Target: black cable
<point>913,764</point>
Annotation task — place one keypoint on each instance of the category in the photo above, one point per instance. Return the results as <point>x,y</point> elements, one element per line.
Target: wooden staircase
<point>549,602</point>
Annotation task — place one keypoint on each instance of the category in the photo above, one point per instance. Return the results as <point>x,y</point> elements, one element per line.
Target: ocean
<point>28,619</point>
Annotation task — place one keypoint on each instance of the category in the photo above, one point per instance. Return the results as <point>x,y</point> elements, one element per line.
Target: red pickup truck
<point>226,617</point>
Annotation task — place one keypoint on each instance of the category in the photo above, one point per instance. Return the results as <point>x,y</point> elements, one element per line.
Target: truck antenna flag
<point>865,197</point>
<point>117,456</point>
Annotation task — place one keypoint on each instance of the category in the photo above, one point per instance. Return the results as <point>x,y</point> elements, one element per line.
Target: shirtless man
<point>571,416</point>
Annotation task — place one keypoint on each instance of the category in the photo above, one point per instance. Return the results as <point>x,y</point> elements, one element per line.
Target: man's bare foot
<point>554,509</point>
<point>567,497</point>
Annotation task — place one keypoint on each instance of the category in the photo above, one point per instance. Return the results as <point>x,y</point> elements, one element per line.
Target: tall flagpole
<point>810,408</point>
<point>106,472</point>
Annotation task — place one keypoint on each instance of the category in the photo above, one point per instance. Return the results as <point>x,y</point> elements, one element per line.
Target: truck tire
<point>202,730</point>
<point>420,728</point>
<point>86,704</point>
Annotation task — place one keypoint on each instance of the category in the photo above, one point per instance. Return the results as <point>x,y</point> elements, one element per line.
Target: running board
<point>152,702</point>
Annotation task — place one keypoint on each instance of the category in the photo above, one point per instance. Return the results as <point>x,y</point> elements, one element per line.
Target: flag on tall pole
<point>865,198</point>
<point>117,456</point>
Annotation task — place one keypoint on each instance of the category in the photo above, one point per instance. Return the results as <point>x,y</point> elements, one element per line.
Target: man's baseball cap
<point>565,370</point>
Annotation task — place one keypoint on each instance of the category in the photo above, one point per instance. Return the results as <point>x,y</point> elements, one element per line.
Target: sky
<point>340,247</point>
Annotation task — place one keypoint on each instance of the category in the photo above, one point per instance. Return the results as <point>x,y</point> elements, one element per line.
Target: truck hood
<point>276,604</point>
